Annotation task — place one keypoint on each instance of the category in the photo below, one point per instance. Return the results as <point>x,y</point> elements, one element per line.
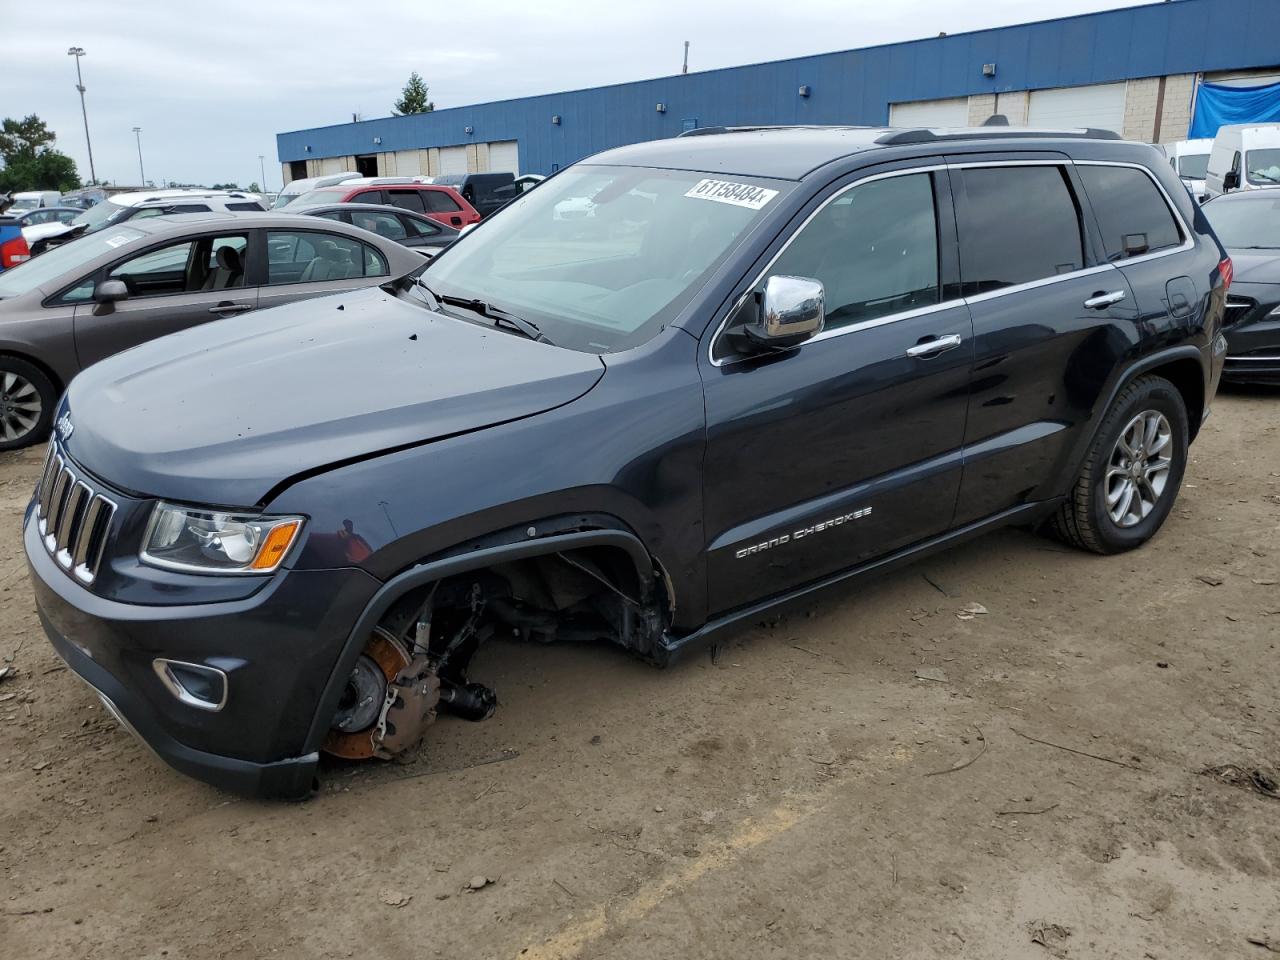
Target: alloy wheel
<point>1138,470</point>
<point>20,406</point>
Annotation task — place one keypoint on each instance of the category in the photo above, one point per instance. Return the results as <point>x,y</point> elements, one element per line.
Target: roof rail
<point>925,135</point>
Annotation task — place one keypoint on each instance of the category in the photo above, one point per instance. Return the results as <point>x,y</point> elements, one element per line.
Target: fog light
<point>194,684</point>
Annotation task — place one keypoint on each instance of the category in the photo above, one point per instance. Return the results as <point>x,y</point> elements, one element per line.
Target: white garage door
<point>953,112</point>
<point>1100,105</point>
<point>453,160</point>
<point>504,156</point>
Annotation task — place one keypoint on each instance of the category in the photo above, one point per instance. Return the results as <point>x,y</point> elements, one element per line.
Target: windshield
<point>99,215</point>
<point>1248,222</point>
<point>1193,166</point>
<point>1263,166</point>
<point>313,197</point>
<point>18,206</point>
<point>601,257</point>
<point>49,269</point>
<point>284,199</point>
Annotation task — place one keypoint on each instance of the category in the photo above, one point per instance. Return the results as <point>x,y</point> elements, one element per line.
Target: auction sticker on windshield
<point>118,241</point>
<point>738,194</point>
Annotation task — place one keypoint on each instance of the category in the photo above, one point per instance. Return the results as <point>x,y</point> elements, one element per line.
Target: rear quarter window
<point>1131,211</point>
<point>438,201</point>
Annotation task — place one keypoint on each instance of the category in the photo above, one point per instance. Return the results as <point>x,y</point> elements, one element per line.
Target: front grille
<point>73,518</point>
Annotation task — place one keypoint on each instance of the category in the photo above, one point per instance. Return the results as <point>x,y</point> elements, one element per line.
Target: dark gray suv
<point>763,363</point>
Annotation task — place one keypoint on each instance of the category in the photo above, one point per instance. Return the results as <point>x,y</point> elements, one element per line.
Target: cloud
<point>212,85</point>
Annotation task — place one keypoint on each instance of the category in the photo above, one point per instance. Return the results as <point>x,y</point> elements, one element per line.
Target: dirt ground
<point>803,794</point>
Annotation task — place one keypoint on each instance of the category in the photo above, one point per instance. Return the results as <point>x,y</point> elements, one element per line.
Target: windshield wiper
<point>526,327</point>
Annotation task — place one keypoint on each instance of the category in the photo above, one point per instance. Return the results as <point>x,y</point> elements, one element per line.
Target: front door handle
<point>1100,301</point>
<point>231,308</point>
<point>931,348</point>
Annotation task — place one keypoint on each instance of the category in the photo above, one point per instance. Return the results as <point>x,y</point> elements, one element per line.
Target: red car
<point>442,204</point>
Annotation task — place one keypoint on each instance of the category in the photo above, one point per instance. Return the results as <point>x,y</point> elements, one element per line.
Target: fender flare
<point>1136,369</point>
<point>425,573</point>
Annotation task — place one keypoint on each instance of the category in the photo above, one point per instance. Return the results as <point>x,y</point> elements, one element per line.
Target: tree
<point>225,186</point>
<point>414,98</point>
<point>30,162</point>
<point>253,187</point>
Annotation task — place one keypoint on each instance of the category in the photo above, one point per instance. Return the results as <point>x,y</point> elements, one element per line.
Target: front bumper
<point>278,649</point>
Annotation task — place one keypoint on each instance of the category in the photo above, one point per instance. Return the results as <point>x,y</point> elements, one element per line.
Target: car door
<point>1051,321</point>
<point>295,264</point>
<point>848,447</point>
<point>172,286</point>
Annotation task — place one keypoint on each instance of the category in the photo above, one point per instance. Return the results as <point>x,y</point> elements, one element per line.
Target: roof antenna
<point>996,120</point>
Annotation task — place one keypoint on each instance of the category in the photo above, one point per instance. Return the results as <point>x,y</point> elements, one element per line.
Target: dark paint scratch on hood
<point>225,412</point>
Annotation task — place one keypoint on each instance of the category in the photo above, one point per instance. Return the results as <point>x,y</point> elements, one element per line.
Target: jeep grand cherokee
<point>768,361</point>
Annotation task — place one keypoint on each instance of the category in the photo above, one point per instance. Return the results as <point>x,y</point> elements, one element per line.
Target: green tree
<point>225,186</point>
<point>413,99</point>
<point>253,187</point>
<point>30,162</point>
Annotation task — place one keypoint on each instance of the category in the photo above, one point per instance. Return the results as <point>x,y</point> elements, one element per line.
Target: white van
<point>1190,160</point>
<point>34,199</point>
<point>296,188</point>
<point>1245,156</point>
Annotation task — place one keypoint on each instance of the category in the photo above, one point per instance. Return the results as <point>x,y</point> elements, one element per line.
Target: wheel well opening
<point>1188,377</point>
<point>585,594</point>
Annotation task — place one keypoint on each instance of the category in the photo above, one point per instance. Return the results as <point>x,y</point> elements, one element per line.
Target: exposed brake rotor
<point>355,725</point>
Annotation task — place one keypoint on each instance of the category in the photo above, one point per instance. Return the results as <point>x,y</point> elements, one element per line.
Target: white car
<point>128,206</point>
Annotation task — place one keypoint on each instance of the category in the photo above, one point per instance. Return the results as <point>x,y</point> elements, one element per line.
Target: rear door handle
<point>231,308</point>
<point>1100,301</point>
<point>931,348</point>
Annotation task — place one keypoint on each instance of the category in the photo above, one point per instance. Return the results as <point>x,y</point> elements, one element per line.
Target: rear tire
<point>27,399</point>
<point>1132,472</point>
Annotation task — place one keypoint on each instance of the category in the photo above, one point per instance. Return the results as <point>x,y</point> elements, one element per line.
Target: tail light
<point>1227,272</point>
<point>14,252</point>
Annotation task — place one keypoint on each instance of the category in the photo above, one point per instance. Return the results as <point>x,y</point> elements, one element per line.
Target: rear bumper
<point>277,649</point>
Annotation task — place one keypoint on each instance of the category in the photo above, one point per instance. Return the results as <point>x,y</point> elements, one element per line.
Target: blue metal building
<point>1135,69</point>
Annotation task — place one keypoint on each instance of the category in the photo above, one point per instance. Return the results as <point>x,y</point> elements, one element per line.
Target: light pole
<point>262,166</point>
<point>137,132</point>
<point>78,52</point>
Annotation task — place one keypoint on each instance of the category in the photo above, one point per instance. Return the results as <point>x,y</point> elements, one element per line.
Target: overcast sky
<point>210,84</point>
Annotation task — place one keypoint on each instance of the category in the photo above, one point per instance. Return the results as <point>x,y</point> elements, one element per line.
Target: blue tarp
<point>1218,105</point>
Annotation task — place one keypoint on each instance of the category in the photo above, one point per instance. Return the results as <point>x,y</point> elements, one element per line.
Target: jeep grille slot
<point>73,519</point>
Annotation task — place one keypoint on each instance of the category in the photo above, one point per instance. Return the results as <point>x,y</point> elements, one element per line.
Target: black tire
<point>1085,521</point>
<point>13,433</point>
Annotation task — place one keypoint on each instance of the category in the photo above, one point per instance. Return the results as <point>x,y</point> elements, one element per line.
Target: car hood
<point>227,412</point>
<point>1255,266</point>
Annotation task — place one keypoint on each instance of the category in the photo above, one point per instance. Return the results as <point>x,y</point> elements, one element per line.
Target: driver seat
<point>228,273</point>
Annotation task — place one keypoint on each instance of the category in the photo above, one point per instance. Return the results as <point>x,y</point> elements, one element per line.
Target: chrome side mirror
<point>791,310</point>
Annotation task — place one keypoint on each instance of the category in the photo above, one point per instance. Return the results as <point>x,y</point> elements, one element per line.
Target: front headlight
<point>207,541</point>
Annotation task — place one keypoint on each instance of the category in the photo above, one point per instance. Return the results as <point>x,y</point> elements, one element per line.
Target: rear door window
<point>1131,212</point>
<point>368,196</point>
<point>309,257</point>
<point>1017,225</point>
<point>406,199</point>
<point>384,224</point>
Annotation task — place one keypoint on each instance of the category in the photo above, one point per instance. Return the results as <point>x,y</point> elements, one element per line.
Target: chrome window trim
<point>1266,359</point>
<point>1187,244</point>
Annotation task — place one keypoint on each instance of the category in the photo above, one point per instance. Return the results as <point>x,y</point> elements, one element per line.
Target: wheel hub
<point>1138,470</point>
<point>352,728</point>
